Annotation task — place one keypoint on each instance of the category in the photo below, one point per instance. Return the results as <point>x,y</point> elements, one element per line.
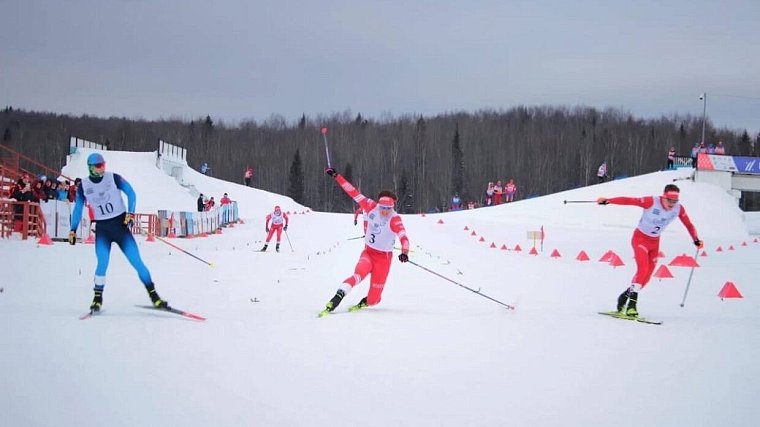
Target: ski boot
<point>277,247</point>
<point>264,249</point>
<point>632,299</point>
<point>333,303</point>
<point>155,299</point>
<point>622,299</point>
<point>361,305</point>
<point>97,301</point>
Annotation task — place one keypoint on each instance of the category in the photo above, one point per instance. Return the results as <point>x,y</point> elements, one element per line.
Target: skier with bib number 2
<point>659,212</point>
<point>384,225</point>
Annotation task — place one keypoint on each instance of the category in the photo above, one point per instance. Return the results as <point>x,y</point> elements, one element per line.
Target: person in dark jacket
<point>201,204</point>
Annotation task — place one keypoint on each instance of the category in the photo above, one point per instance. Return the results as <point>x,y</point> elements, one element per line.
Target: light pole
<point>703,97</point>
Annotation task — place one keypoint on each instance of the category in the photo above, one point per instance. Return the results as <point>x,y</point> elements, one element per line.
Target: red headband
<point>672,195</point>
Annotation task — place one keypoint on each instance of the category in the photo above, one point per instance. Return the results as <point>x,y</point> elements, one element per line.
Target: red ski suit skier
<point>646,238</point>
<point>382,230</point>
<point>277,217</point>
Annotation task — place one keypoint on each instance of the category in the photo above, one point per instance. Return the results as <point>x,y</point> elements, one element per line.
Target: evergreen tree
<point>302,122</point>
<point>405,198</point>
<point>296,179</point>
<point>745,144</point>
<point>457,164</point>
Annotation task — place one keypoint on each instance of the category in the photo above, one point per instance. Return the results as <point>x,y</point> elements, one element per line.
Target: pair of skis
<point>619,315</point>
<point>173,310</point>
<point>352,309</point>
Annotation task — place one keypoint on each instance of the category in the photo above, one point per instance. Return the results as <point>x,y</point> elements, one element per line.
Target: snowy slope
<point>431,354</point>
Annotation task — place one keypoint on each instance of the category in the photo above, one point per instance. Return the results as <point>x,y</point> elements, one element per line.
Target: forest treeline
<point>425,160</point>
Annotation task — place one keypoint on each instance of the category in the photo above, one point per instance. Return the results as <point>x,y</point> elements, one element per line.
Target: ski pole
<point>288,237</point>
<point>683,301</point>
<point>182,250</point>
<point>327,151</point>
<point>578,201</point>
<point>355,238</point>
<point>510,307</point>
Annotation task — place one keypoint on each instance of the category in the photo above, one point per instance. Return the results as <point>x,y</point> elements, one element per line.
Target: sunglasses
<point>99,165</point>
<point>386,208</point>
<point>673,201</point>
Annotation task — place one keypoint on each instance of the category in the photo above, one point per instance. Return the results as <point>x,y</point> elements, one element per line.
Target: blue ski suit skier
<point>113,221</point>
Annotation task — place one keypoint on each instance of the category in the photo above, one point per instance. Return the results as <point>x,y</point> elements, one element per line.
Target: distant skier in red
<point>659,212</point>
<point>279,223</point>
<point>383,226</point>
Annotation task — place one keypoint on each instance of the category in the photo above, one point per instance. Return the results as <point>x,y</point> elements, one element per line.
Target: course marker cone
<point>607,256</point>
<point>473,233</point>
<point>615,260</point>
<point>663,272</point>
<point>466,228</point>
<point>731,248</point>
<point>720,249</point>
<point>582,256</point>
<point>517,248</point>
<point>493,245</point>
<point>683,261</point>
<point>504,247</point>
<point>90,239</point>
<point>45,240</point>
<point>150,238</point>
<point>555,254</point>
<point>440,221</point>
<point>533,251</point>
<point>481,239</point>
<point>729,291</point>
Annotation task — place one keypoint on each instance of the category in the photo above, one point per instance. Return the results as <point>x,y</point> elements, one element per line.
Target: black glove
<point>332,172</point>
<point>129,220</point>
<point>72,237</point>
<point>699,244</point>
<point>355,222</point>
<point>285,228</point>
<point>266,229</point>
<point>403,257</point>
<point>602,201</point>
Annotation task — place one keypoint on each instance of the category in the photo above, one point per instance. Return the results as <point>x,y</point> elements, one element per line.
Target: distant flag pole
<point>542,238</point>
<point>327,151</point>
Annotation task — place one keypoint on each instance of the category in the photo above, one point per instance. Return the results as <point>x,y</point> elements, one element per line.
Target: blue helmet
<point>95,158</point>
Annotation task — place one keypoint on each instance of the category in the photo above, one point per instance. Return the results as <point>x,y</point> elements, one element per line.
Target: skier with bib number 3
<point>384,225</point>
<point>102,190</point>
<point>659,212</point>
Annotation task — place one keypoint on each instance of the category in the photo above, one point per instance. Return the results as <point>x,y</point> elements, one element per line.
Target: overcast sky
<point>238,60</point>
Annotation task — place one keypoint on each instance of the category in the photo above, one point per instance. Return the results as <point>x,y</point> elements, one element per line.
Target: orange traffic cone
<point>615,260</point>
<point>45,240</point>
<point>683,261</point>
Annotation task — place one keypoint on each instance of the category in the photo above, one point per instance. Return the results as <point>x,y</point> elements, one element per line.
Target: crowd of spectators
<point>43,189</point>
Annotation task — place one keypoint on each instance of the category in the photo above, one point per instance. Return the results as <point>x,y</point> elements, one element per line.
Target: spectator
<point>63,190</point>
<point>38,193</point>
<point>73,189</point>
<point>225,200</point>
<point>498,191</point>
<point>456,202</point>
<point>601,173</point>
<point>50,193</point>
<point>471,204</point>
<point>210,203</point>
<point>201,203</point>
<point>489,194</point>
<point>720,149</point>
<point>248,176</point>
<point>205,168</point>
<point>671,158</point>
<point>694,153</point>
<point>511,189</point>
<point>223,203</point>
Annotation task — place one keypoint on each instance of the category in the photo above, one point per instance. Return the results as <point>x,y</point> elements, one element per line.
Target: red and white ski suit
<point>277,217</point>
<point>646,238</point>
<point>379,239</point>
<point>360,211</point>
